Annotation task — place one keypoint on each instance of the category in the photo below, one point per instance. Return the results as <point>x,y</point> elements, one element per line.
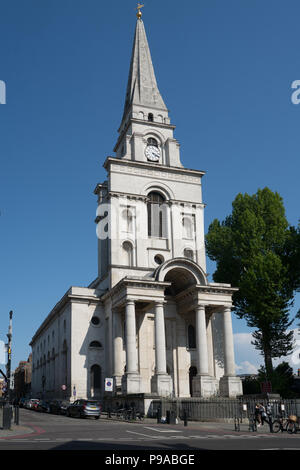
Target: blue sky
<point>224,69</point>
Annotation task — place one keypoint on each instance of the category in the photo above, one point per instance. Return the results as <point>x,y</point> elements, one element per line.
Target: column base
<point>230,386</point>
<point>204,386</point>
<point>118,384</point>
<point>162,385</point>
<point>131,383</point>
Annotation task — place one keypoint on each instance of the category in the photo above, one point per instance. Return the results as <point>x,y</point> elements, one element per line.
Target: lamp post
<point>8,366</point>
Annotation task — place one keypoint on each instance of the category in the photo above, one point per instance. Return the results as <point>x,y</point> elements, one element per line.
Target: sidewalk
<point>15,431</point>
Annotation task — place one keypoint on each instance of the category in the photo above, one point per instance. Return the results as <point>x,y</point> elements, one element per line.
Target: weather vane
<point>139,13</point>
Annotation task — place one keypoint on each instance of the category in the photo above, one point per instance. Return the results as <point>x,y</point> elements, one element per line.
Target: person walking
<point>257,414</point>
<point>263,414</point>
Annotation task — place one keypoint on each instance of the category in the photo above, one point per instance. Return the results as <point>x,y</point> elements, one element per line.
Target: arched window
<point>95,344</point>
<point>191,337</point>
<point>157,215</point>
<point>150,117</point>
<point>95,377</point>
<point>128,253</point>
<point>188,253</point>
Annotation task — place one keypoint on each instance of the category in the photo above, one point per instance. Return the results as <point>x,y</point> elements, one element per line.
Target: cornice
<point>151,166</point>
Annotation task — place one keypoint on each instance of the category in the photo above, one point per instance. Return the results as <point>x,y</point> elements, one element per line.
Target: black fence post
<point>158,415</point>
<point>185,418</point>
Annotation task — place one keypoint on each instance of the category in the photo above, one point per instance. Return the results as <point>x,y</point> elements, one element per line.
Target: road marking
<point>145,435</point>
<point>161,430</point>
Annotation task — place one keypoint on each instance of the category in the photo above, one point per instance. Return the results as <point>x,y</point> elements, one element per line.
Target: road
<point>51,432</point>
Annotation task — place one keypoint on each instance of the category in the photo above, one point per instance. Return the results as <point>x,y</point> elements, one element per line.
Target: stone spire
<point>142,87</point>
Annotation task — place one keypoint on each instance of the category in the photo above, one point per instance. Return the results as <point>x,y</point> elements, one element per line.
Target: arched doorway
<point>192,374</point>
<point>95,389</point>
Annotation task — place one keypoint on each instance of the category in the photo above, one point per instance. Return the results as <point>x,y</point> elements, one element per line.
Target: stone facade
<point>151,320</point>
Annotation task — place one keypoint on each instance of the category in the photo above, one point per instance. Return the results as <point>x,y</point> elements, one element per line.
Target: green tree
<point>282,379</point>
<point>253,250</point>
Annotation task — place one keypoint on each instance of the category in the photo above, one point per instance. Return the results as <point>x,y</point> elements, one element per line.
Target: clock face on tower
<point>152,153</point>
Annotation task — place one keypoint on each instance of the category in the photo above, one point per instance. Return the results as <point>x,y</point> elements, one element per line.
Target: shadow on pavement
<point>117,447</point>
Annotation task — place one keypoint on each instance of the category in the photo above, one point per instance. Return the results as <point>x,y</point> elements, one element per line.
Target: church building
<point>151,321</point>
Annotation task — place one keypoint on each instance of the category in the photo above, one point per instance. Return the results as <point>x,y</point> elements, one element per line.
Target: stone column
<point>118,348</point>
<point>161,382</point>
<point>131,352</point>
<point>229,363</point>
<point>131,381</point>
<point>160,339</point>
<point>203,384</point>
<point>230,385</point>
<point>201,340</point>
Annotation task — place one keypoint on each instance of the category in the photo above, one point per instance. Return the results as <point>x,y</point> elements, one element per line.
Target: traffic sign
<point>109,385</point>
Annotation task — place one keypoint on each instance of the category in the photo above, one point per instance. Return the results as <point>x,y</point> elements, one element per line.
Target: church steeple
<point>142,89</point>
<point>145,122</point>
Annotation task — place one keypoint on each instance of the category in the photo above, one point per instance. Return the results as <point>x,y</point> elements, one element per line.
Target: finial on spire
<point>139,13</point>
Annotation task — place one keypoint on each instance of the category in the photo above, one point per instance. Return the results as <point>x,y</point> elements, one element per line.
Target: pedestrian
<point>257,414</point>
<point>263,414</point>
<point>269,411</point>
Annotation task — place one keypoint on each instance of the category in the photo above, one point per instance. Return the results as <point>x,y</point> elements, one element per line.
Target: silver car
<point>84,408</point>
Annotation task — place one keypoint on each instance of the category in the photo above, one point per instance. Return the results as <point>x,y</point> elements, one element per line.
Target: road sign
<point>109,385</point>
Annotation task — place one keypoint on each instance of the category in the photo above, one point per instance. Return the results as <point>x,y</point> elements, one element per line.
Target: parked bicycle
<point>289,424</point>
<point>129,414</point>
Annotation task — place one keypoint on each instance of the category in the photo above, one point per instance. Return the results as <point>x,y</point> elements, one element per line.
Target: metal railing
<point>201,409</point>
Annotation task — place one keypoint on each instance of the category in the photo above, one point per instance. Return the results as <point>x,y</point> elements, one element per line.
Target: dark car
<point>58,407</point>
<point>43,406</point>
<point>84,408</point>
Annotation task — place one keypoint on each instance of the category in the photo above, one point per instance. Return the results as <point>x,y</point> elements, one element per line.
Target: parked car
<point>43,406</point>
<point>84,408</point>
<point>58,407</point>
<point>31,404</point>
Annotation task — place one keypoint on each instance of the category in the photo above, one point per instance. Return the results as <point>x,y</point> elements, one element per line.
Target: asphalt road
<point>51,432</point>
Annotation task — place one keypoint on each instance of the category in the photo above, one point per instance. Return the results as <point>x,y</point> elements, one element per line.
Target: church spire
<point>142,87</point>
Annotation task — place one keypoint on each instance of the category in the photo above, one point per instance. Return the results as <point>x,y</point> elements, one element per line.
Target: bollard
<point>7,415</point>
<point>185,419</point>
<point>168,416</point>
<point>271,423</point>
<point>16,415</point>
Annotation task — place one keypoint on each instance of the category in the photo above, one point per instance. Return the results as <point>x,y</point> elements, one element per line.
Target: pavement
<point>202,426</point>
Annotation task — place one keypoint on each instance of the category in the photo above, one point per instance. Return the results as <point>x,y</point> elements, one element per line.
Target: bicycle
<point>289,424</point>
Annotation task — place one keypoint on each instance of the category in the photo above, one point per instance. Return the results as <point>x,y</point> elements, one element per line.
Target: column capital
<point>159,303</point>
<point>227,307</point>
<point>200,306</point>
<point>129,302</point>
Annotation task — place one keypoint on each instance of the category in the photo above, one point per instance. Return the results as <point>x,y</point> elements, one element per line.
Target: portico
<point>177,291</point>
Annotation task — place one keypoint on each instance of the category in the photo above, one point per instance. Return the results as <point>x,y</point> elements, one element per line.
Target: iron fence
<point>205,409</point>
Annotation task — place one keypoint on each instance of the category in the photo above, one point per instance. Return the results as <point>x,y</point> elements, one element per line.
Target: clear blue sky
<point>224,69</point>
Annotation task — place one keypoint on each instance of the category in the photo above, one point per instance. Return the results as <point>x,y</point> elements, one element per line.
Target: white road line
<point>145,435</point>
<point>160,430</point>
